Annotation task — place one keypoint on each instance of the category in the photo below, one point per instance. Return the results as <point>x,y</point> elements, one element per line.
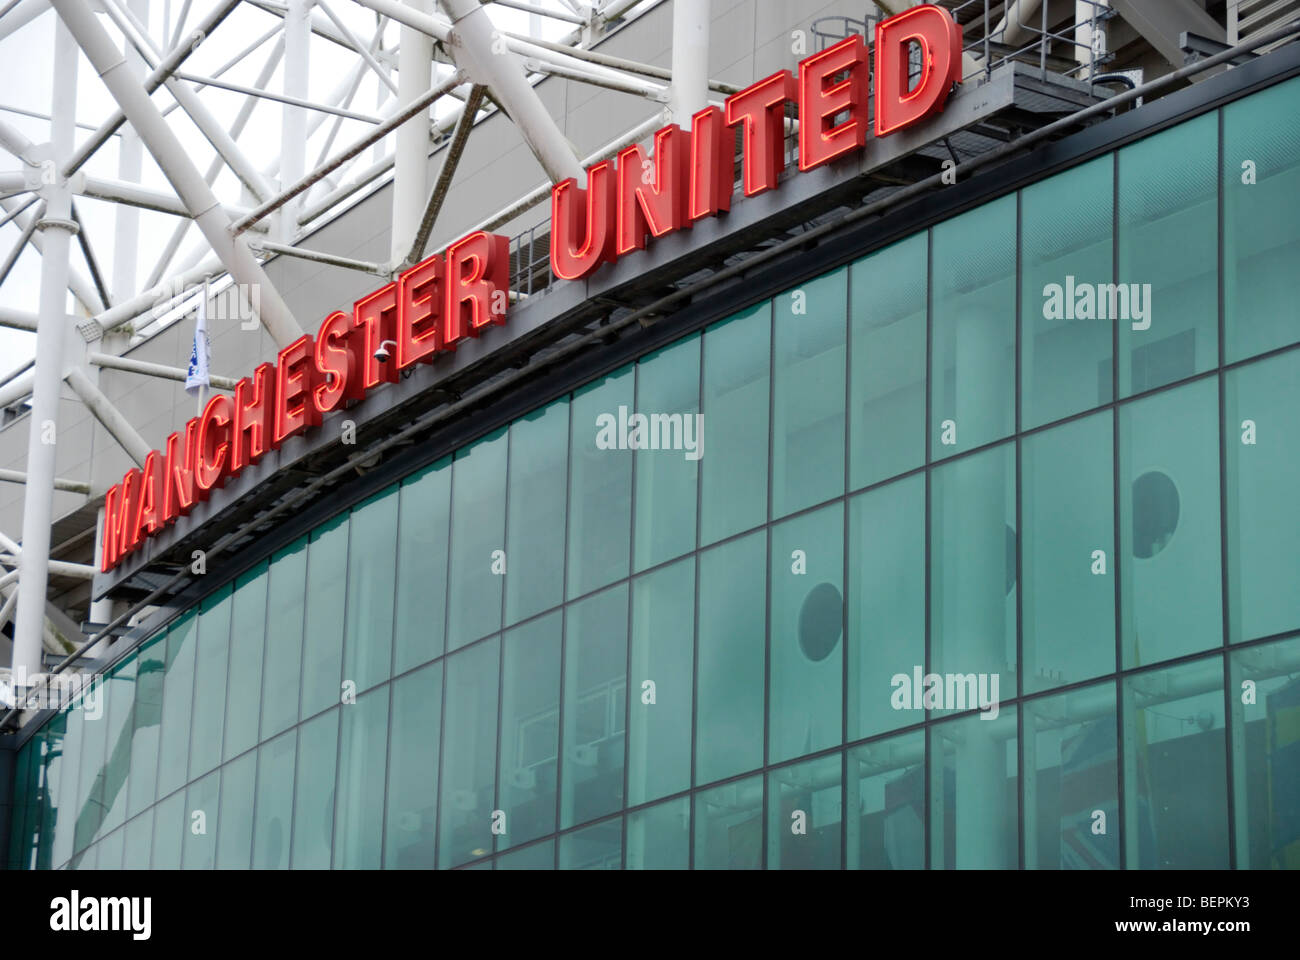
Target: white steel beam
<point>293,124</point>
<point>103,410</point>
<point>38,495</point>
<point>474,45</point>
<point>78,282</point>
<point>411,167</point>
<point>144,367</point>
<point>208,125</point>
<point>68,486</point>
<point>690,82</point>
<point>177,167</point>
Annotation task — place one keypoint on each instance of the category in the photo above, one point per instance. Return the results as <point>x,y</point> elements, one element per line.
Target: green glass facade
<point>543,652</point>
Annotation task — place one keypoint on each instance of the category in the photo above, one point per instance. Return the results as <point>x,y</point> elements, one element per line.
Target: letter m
<point>963,691</point>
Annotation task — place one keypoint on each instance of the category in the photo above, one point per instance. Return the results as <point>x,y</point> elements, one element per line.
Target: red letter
<point>178,478</point>
<point>376,316</point>
<point>713,164</point>
<point>569,261</point>
<point>124,532</point>
<point>761,108</point>
<point>658,207</point>
<point>475,297</point>
<point>294,410</point>
<point>214,444</point>
<point>821,101</point>
<point>337,365</point>
<point>254,406</point>
<point>110,551</point>
<point>939,37</point>
<point>419,309</point>
<point>146,521</point>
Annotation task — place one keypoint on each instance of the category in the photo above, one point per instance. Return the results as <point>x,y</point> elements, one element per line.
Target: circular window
<point>821,620</point>
<point>1155,513</point>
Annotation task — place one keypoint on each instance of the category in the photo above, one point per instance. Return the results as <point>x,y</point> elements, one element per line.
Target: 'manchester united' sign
<point>437,304</point>
<point>692,176</point>
<point>428,310</point>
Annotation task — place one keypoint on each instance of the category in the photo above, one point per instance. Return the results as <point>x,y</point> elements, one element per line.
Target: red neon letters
<point>424,312</point>
<point>692,173</point>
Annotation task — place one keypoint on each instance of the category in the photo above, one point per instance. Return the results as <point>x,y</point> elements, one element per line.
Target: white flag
<point>196,377</point>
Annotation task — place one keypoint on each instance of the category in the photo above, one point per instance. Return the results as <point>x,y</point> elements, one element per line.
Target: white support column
<point>293,128</point>
<point>480,50</point>
<point>38,496</point>
<point>177,167</point>
<point>130,156</point>
<point>690,85</point>
<point>411,171</point>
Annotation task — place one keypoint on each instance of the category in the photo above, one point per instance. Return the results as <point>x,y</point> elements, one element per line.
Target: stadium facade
<point>957,529</point>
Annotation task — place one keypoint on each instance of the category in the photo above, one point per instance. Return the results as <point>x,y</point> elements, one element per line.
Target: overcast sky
<point>26,61</point>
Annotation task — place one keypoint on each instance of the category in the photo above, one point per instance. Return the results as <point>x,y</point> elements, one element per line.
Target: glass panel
<point>1068,511</point>
<point>235,838</point>
<point>247,644</point>
<point>1261,221</point>
<point>973,790</point>
<point>973,362</point>
<point>313,804</point>
<point>1263,462</point>
<point>213,654</point>
<point>110,851</point>
<point>372,562</point>
<point>807,662</point>
<point>274,820</point>
<point>1169,524</point>
<point>737,375</point>
<point>1169,256</point>
<point>886,601</point>
<point>90,781</point>
<point>1066,228</point>
<point>413,769</point>
<point>284,621</point>
<point>1265,705</point>
<point>67,810</point>
<point>469,755</point>
<point>808,390</point>
<point>1175,789</point>
<point>171,823</point>
<point>598,847</point>
<point>729,683</point>
<point>886,788</point>
<point>595,706</point>
<point>359,819</point>
<point>540,856</point>
<point>138,842</point>
<point>600,484</point>
<point>973,571</point>
<point>887,293</point>
<point>729,826</point>
<point>668,440</point>
<point>22,792</point>
<point>119,695</point>
<point>530,729</point>
<point>478,495</point>
<point>659,837</point>
<point>146,724</point>
<point>199,843</point>
<point>803,818</point>
<point>663,648</point>
<point>322,646</point>
<point>53,767</point>
<point>539,465</point>
<point>421,613</point>
<point>1072,781</point>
